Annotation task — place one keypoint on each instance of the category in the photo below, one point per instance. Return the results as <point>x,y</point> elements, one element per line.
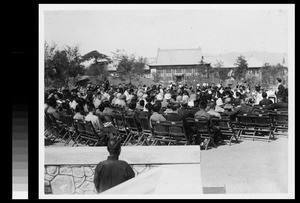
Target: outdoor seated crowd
<point>100,103</point>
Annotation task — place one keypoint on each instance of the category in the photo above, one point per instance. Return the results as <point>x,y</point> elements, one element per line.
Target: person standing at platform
<point>112,171</point>
<point>280,92</point>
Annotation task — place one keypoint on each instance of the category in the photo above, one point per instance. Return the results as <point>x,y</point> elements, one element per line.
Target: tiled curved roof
<point>178,56</point>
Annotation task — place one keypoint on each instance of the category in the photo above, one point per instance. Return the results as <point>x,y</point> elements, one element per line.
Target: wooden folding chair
<point>80,130</point>
<point>108,118</point>
<point>70,128</point>
<point>280,122</point>
<point>246,126</point>
<point>49,129</point>
<point>64,122</point>
<point>134,136</point>
<point>161,133</point>
<point>202,130</point>
<point>58,128</point>
<point>224,116</point>
<point>91,135</point>
<point>260,110</point>
<point>146,130</point>
<point>120,125</point>
<point>263,126</point>
<point>177,133</point>
<point>226,128</point>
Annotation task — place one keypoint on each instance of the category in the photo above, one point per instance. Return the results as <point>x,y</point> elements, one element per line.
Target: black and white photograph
<point>166,101</point>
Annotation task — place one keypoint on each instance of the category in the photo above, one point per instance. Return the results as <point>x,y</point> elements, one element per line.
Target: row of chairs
<point>255,126</point>
<point>171,133</point>
<point>54,129</point>
<point>67,129</point>
<point>123,127</point>
<point>129,129</point>
<point>279,118</point>
<point>199,131</point>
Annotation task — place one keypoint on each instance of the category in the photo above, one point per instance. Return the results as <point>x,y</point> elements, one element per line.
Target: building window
<point>188,70</point>
<point>168,70</point>
<point>159,71</point>
<point>178,70</point>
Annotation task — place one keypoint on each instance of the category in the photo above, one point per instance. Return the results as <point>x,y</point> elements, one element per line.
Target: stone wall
<point>73,173</point>
<point>76,179</point>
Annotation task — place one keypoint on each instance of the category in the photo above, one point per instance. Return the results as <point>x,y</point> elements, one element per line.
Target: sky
<point>143,31</point>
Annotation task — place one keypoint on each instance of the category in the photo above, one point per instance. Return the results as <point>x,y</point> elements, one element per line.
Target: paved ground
<point>247,167</point>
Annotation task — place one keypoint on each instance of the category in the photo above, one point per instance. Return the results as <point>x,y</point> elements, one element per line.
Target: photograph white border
<point>291,84</point>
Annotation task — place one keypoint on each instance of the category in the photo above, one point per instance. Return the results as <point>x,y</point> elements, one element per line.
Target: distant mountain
<point>254,58</point>
<point>273,58</point>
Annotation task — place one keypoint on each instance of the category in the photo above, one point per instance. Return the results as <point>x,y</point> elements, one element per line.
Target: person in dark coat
<point>265,101</point>
<point>174,115</point>
<point>245,108</point>
<point>112,171</point>
<point>278,105</point>
<point>281,91</point>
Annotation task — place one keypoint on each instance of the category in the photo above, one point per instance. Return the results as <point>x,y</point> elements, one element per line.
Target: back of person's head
<point>134,98</point>
<point>91,107</point>
<point>121,90</point>
<point>79,108</point>
<point>227,100</point>
<point>80,101</point>
<point>65,105</point>
<point>114,146</point>
<point>152,98</point>
<point>101,107</point>
<point>243,101</point>
<point>212,105</point>
<point>264,95</point>
<point>123,97</point>
<point>132,105</point>
<point>52,102</point>
<point>158,102</point>
<point>59,95</point>
<point>203,104</point>
<point>142,103</point>
<point>175,107</point>
<point>278,79</point>
<point>170,105</point>
<point>184,104</point>
<point>149,106</point>
<point>106,103</point>
<point>173,96</point>
<point>148,99</point>
<point>156,107</point>
<point>197,103</point>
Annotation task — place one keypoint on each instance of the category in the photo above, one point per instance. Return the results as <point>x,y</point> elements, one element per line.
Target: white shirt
<point>219,109</point>
<point>97,102</point>
<point>258,98</point>
<point>73,104</point>
<point>214,113</point>
<point>120,102</point>
<point>95,121</point>
<point>191,103</point>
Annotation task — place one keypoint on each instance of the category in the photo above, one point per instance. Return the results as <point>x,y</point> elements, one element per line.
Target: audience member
<point>112,171</point>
